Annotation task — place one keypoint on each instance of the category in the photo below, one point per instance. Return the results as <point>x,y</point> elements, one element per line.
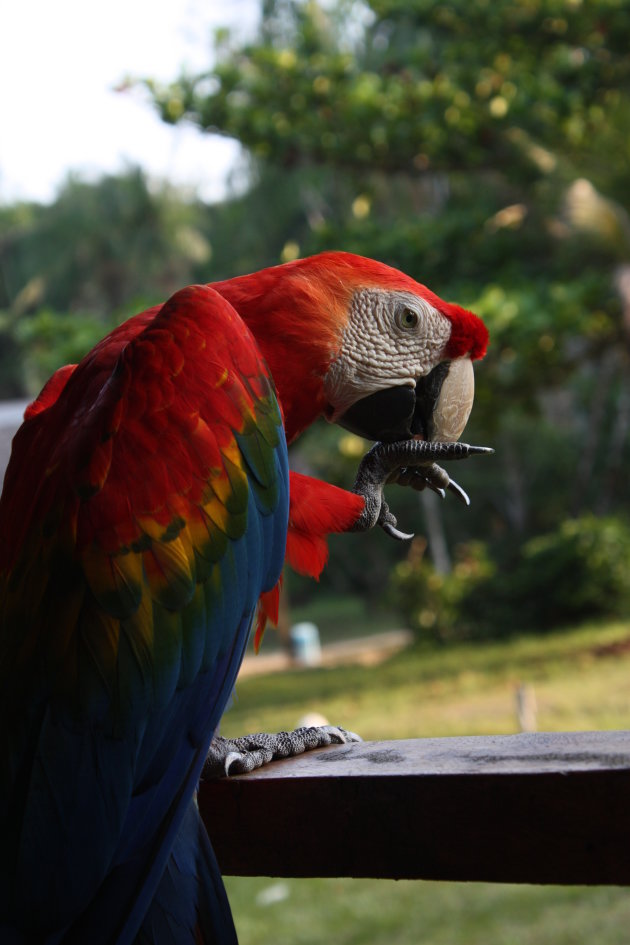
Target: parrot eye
<point>406,318</point>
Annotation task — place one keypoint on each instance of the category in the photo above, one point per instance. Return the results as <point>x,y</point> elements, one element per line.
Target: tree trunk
<point>438,546</point>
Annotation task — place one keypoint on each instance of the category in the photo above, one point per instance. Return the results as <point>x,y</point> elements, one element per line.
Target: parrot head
<point>364,345</point>
<point>405,365</point>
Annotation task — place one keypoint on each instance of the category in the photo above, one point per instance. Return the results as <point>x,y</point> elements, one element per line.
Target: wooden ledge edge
<point>531,808</point>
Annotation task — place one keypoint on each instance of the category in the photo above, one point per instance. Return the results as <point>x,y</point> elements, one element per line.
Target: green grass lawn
<point>581,679</point>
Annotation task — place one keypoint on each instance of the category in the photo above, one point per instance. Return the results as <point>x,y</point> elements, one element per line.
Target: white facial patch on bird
<point>391,339</point>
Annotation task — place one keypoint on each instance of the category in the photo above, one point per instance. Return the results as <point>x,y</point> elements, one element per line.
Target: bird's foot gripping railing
<point>530,808</point>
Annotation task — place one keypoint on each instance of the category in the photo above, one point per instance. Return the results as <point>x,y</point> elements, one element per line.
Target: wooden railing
<point>531,808</point>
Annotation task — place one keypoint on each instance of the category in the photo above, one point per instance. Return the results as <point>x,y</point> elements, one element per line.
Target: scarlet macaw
<point>147,508</point>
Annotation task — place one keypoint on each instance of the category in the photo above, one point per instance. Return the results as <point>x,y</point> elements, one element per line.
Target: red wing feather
<point>317,509</point>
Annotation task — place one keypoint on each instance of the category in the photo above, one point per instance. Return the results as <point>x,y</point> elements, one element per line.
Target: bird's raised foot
<point>408,463</point>
<point>228,756</point>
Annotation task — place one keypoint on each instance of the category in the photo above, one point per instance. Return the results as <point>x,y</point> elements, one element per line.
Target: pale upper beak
<point>437,408</point>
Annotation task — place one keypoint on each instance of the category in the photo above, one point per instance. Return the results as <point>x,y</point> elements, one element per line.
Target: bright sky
<point>59,62</point>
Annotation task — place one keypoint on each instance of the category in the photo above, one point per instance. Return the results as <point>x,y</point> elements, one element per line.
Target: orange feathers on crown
<point>347,272</point>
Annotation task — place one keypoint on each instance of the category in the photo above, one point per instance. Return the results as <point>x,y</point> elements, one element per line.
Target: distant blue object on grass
<point>305,644</point>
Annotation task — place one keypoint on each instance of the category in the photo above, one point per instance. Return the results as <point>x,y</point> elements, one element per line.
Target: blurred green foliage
<point>408,86</point>
<point>97,247</point>
<point>577,572</point>
<point>71,270</point>
<point>50,338</point>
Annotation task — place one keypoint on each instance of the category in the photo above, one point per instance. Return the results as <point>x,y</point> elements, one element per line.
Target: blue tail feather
<point>190,906</point>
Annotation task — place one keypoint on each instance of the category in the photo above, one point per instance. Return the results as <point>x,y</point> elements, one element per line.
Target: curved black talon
<point>458,492</point>
<point>388,523</point>
<point>433,486</point>
<point>393,532</point>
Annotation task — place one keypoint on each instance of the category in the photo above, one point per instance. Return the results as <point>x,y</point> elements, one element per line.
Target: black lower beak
<point>397,413</point>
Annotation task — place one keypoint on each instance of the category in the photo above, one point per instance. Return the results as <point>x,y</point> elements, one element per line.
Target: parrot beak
<point>437,408</point>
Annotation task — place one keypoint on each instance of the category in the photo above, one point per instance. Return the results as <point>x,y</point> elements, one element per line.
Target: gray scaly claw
<point>228,756</point>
